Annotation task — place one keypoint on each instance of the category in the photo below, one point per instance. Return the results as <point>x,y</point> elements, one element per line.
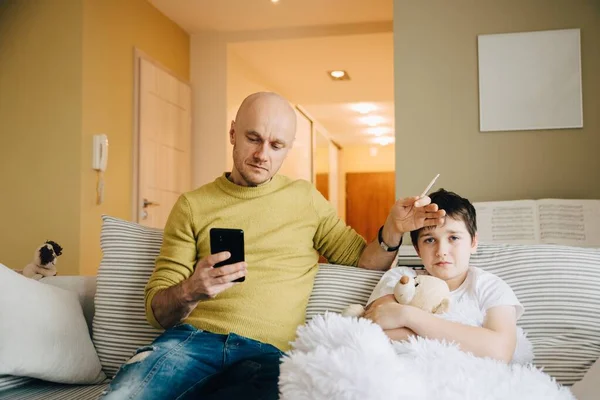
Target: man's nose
<point>261,153</point>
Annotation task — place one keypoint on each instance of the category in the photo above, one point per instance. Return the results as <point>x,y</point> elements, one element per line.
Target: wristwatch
<point>383,245</point>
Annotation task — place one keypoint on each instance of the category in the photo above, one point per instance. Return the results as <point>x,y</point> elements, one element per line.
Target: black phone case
<point>231,240</point>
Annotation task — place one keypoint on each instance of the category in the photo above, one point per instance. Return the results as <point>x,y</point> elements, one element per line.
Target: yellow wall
<point>111,31</point>
<point>437,107</point>
<point>40,129</point>
<point>67,74</point>
<point>360,159</point>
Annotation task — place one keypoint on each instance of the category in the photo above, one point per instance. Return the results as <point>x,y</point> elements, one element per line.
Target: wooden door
<point>322,184</point>
<point>369,197</point>
<point>164,121</point>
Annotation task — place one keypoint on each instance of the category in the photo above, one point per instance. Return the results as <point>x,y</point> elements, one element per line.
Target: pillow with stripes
<point>120,326</point>
<point>559,286</point>
<point>338,286</point>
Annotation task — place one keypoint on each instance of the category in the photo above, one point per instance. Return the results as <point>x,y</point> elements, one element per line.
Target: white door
<point>164,123</point>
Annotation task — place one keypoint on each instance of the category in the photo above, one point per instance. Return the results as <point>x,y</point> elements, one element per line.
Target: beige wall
<point>241,81</point>
<point>208,72</point>
<point>437,109</point>
<point>221,80</point>
<point>67,74</point>
<point>40,129</point>
<point>358,158</point>
<point>111,31</point>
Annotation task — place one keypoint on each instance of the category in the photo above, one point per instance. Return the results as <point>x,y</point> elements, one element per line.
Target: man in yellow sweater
<point>224,339</point>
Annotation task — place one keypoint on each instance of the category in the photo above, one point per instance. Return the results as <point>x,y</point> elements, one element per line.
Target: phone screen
<point>231,240</point>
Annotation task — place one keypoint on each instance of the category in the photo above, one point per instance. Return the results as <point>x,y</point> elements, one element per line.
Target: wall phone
<point>100,152</point>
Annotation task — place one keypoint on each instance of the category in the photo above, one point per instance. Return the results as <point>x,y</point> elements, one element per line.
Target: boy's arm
<point>398,334</point>
<point>495,339</point>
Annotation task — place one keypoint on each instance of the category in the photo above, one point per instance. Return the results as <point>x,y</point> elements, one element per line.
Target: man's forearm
<point>170,306</point>
<point>374,257</point>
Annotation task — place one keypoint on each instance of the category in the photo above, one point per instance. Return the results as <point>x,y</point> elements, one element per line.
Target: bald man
<point>224,340</point>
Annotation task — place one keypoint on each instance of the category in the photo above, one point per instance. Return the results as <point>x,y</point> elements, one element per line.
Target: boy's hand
<point>413,213</point>
<point>388,315</point>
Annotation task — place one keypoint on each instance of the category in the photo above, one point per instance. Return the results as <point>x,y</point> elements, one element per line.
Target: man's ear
<point>474,243</point>
<point>232,133</point>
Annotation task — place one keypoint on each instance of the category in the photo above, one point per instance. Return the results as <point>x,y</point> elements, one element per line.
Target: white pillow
<point>43,333</point>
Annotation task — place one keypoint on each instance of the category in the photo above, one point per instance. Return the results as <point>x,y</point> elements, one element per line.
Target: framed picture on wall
<point>530,80</point>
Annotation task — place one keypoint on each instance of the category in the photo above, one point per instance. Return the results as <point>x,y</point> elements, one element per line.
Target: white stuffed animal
<point>426,292</point>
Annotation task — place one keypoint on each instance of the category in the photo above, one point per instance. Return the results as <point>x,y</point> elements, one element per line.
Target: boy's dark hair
<point>456,207</point>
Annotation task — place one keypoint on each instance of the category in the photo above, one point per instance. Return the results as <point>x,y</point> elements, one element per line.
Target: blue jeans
<point>185,362</point>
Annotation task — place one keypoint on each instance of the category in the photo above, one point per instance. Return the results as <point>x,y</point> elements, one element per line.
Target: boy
<point>445,251</point>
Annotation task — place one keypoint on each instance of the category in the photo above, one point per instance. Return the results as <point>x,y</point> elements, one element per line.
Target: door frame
<point>138,56</point>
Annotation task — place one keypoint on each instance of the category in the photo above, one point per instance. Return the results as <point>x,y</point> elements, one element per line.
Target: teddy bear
<point>426,292</point>
<point>44,261</point>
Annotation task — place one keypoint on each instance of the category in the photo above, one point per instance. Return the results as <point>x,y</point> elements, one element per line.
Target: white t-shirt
<point>481,289</point>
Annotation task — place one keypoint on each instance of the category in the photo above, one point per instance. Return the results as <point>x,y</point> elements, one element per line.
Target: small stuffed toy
<point>44,261</point>
<point>426,292</point>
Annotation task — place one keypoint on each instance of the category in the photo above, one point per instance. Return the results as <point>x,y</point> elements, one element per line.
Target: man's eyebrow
<point>253,132</point>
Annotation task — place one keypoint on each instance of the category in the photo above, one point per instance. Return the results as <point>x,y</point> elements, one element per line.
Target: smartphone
<point>231,240</point>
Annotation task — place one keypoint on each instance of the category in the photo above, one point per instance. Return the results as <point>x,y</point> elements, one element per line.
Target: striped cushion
<point>39,390</point>
<point>9,382</point>
<point>120,325</point>
<point>338,286</point>
<point>559,287</point>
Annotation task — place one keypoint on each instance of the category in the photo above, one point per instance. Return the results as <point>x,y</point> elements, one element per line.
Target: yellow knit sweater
<point>286,225</point>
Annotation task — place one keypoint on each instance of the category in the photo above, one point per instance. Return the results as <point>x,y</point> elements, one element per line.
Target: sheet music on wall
<point>545,221</point>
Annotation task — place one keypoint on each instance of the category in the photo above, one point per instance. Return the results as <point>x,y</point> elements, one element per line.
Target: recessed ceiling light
<point>274,1</point>
<point>378,130</point>
<point>339,75</point>
<point>363,108</point>
<point>384,140</point>
<point>372,120</point>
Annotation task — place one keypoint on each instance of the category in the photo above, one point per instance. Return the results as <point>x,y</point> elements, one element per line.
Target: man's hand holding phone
<point>207,281</point>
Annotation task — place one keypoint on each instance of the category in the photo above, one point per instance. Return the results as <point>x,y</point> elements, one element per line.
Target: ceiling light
<point>372,120</point>
<point>383,140</point>
<point>378,130</point>
<point>339,75</point>
<point>274,1</point>
<point>363,108</point>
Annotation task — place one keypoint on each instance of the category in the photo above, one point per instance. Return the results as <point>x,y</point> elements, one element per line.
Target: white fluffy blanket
<point>335,357</point>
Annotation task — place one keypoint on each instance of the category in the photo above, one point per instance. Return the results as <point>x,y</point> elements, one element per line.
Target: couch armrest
<point>84,286</point>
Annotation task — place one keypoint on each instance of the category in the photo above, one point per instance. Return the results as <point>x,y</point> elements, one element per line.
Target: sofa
<point>558,285</point>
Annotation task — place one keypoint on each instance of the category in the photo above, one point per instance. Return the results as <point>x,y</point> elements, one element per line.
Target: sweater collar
<point>249,192</point>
